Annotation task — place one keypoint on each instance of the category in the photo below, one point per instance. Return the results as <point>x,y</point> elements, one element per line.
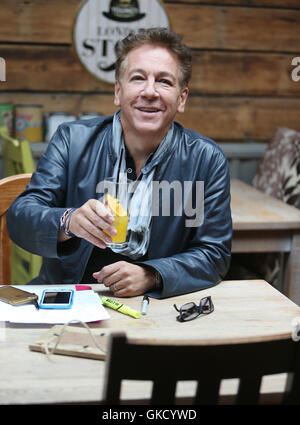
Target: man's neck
<point>140,146</point>
<point>139,155</point>
<point>140,152</point>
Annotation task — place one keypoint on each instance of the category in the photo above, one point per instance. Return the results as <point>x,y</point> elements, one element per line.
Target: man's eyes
<point>164,81</point>
<point>160,80</point>
<point>137,78</point>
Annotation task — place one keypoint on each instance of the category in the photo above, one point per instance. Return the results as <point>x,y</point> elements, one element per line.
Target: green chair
<point>17,156</point>
<point>17,159</point>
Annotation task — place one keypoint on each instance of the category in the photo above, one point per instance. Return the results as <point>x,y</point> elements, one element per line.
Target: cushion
<point>278,173</point>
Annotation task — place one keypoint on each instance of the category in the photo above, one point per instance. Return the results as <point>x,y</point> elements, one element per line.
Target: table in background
<point>244,311</point>
<point>262,223</point>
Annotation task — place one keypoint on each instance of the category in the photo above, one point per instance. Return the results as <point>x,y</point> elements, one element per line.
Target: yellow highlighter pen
<point>122,308</point>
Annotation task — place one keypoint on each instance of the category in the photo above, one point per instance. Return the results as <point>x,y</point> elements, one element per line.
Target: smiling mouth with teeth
<point>148,110</point>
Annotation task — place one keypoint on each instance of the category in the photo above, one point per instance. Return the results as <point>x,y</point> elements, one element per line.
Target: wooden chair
<point>206,364</point>
<point>10,188</point>
<point>17,159</point>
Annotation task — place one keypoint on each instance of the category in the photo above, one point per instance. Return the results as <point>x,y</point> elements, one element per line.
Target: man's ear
<point>182,100</point>
<point>117,92</point>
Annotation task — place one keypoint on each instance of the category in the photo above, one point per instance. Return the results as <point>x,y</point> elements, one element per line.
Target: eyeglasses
<point>191,311</point>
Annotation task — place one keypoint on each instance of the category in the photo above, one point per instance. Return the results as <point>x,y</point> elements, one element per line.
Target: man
<point>60,217</point>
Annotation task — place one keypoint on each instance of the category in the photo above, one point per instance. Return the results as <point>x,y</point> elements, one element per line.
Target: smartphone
<point>57,299</point>
<point>15,296</point>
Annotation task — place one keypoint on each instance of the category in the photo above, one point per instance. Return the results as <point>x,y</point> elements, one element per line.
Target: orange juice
<point>121,219</point>
<point>120,224</point>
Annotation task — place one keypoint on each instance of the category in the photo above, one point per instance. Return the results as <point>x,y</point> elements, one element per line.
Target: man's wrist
<point>62,237</point>
<point>158,280</point>
<point>65,222</point>
<point>155,276</point>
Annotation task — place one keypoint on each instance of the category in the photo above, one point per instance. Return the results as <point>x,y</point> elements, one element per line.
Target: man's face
<point>149,92</point>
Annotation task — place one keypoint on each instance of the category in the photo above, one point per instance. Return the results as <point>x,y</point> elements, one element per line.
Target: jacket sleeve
<point>206,258</point>
<point>33,218</point>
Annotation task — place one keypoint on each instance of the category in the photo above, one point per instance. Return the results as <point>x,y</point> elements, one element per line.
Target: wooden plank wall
<point>242,50</point>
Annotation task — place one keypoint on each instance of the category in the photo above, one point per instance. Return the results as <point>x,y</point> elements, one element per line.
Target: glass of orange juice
<point>116,198</point>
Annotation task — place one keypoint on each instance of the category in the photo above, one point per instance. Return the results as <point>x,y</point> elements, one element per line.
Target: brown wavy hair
<point>163,37</point>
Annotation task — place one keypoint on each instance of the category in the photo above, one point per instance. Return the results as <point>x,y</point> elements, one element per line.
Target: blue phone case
<point>56,306</point>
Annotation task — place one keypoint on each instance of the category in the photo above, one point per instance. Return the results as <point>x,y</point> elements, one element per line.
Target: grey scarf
<point>139,226</point>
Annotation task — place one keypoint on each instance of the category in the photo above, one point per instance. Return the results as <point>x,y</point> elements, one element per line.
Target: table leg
<point>292,272</point>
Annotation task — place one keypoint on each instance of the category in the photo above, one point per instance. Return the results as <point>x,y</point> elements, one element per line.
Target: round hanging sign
<point>100,24</point>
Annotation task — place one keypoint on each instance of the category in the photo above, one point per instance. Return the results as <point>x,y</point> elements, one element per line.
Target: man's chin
<point>150,130</point>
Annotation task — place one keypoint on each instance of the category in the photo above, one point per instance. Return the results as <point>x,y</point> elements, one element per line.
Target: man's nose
<point>149,88</point>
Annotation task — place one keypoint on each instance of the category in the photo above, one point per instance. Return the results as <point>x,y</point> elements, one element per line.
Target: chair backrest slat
<point>248,390</point>
<point>207,389</point>
<point>163,391</point>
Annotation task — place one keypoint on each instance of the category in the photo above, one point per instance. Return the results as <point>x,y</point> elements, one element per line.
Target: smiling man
<point>149,93</point>
<point>60,216</point>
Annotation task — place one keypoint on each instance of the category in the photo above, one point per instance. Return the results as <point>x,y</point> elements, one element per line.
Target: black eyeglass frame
<point>190,311</point>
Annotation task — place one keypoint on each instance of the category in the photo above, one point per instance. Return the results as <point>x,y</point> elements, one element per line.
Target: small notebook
<point>73,341</point>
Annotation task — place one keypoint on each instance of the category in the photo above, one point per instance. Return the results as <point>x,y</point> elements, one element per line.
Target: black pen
<point>145,304</point>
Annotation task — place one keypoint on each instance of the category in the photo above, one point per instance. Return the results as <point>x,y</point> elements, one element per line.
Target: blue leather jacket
<point>80,156</point>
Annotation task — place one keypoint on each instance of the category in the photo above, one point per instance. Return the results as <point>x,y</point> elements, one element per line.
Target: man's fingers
<point>122,292</point>
<point>118,270</point>
<point>102,211</point>
<point>89,227</point>
<point>125,279</point>
<point>99,215</point>
<point>92,238</point>
<point>108,280</point>
<point>100,242</point>
<point>88,224</point>
<point>103,218</point>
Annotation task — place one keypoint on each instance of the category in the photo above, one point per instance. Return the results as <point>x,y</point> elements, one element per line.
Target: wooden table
<point>262,223</point>
<point>244,311</point>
